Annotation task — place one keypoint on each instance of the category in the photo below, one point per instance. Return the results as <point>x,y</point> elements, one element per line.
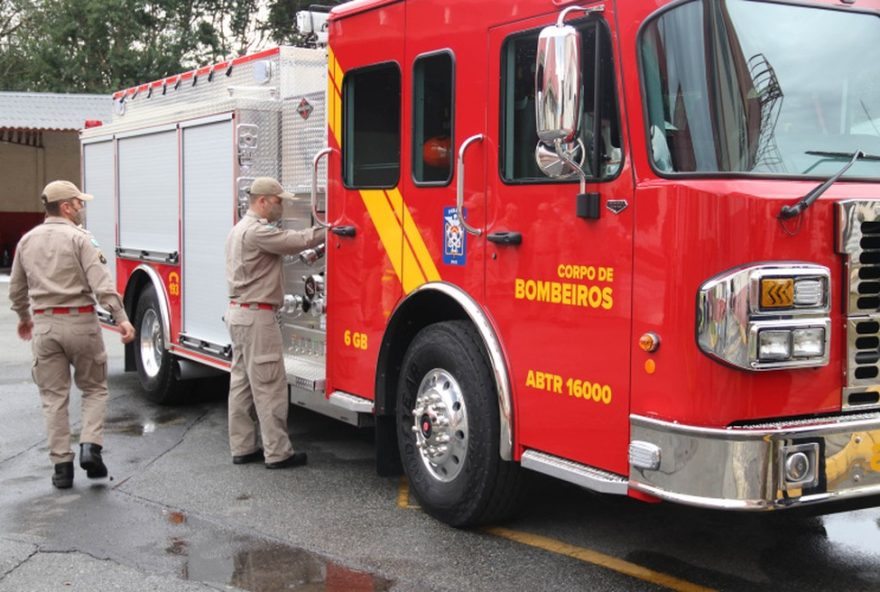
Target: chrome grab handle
<point>318,221</point>
<point>459,186</point>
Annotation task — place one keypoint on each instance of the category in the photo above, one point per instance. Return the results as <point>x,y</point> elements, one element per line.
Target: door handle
<point>505,237</point>
<point>343,230</point>
<point>459,186</point>
<point>314,195</point>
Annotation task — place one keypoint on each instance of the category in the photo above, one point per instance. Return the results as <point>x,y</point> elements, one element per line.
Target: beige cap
<point>61,190</point>
<point>268,186</point>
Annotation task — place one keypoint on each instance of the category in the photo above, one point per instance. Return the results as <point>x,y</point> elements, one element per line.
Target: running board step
<point>351,402</point>
<point>582,475</point>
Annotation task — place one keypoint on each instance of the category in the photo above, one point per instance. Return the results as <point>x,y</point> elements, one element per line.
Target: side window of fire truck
<point>371,127</point>
<point>519,135</point>
<point>432,119</point>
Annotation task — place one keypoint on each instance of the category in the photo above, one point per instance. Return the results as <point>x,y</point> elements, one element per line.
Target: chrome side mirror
<point>558,83</point>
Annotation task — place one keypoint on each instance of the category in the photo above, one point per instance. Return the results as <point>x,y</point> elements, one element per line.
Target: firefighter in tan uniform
<point>258,385</point>
<point>59,273</point>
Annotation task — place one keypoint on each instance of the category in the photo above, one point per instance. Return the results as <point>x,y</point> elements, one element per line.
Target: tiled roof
<point>48,111</point>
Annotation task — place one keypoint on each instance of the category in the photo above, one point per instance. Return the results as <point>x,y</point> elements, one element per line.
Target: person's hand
<point>25,329</point>
<point>127,330</point>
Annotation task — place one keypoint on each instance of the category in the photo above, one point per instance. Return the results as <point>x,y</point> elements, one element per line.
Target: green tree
<point>104,45</point>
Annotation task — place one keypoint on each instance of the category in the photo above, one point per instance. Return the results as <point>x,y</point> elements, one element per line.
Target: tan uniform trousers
<point>258,385</point>
<point>60,341</point>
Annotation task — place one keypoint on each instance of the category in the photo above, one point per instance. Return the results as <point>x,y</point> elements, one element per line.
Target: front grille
<point>858,223</point>
<point>865,353</point>
<point>867,269</point>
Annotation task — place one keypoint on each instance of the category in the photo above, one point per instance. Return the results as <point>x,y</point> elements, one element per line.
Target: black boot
<point>90,459</point>
<point>63,477</point>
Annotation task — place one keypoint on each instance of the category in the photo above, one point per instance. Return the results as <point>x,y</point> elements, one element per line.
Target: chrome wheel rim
<point>440,425</point>
<point>151,343</point>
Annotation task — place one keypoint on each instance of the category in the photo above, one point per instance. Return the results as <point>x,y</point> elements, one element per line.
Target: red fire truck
<point>633,245</point>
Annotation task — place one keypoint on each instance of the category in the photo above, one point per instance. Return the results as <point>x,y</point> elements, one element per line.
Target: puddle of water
<point>268,567</point>
<point>855,530</point>
<point>137,426</point>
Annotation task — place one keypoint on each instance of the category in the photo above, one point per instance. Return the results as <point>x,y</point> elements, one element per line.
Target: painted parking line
<point>596,558</point>
<point>403,495</point>
<point>579,553</point>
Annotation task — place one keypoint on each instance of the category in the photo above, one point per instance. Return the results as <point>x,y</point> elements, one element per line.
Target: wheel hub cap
<point>440,424</point>
<point>152,345</point>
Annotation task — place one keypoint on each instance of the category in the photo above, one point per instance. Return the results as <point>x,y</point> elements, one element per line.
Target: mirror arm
<point>563,154</point>
<point>587,11</point>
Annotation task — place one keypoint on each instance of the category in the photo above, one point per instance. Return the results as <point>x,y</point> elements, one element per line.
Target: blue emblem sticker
<point>454,238</point>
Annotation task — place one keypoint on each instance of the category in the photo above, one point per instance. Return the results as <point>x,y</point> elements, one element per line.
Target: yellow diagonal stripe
<point>414,237</point>
<point>332,101</point>
<point>401,238</point>
<point>337,74</point>
<point>596,558</point>
<point>391,235</point>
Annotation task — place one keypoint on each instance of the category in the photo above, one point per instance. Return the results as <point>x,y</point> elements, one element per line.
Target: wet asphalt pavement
<point>177,515</point>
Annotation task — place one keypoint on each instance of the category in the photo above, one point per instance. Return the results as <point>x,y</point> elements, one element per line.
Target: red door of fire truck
<point>365,274</point>
<point>560,295</point>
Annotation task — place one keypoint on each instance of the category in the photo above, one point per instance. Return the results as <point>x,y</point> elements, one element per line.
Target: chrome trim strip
<point>184,353</point>
<point>496,357</point>
<point>351,402</point>
<point>742,467</point>
<point>172,258</point>
<point>219,350</point>
<point>583,475</point>
<point>162,297</point>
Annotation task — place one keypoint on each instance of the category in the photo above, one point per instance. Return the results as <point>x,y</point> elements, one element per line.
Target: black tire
<point>447,377</point>
<point>156,367</point>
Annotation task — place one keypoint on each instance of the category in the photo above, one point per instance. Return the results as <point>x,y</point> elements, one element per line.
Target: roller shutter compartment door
<point>208,215</point>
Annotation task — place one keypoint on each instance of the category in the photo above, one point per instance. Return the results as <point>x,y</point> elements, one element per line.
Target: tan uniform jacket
<point>57,264</point>
<point>253,258</point>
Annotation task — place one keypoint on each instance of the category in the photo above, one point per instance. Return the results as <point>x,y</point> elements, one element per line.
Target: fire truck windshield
<point>739,86</point>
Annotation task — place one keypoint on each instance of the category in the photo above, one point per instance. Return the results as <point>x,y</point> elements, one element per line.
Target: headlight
<point>766,317</point>
<point>808,343</point>
<point>774,344</point>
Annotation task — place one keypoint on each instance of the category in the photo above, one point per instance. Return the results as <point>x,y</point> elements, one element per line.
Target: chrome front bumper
<point>743,468</point>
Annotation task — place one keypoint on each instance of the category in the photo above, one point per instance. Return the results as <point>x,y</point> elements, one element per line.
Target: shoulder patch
<point>102,258</point>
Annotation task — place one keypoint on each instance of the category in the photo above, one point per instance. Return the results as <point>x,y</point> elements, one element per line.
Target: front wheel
<point>448,428</point>
<point>155,364</point>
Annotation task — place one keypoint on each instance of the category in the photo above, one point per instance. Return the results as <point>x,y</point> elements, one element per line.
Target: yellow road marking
<point>403,495</point>
<point>596,558</point>
<point>579,553</point>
